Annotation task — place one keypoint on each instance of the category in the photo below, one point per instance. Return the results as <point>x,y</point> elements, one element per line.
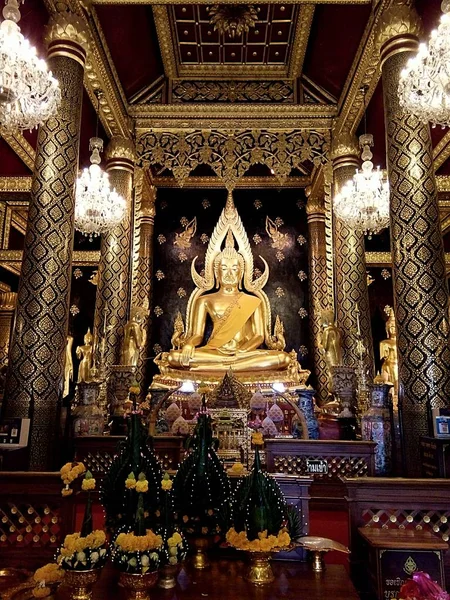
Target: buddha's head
<point>391,328</point>
<point>88,337</point>
<point>327,318</point>
<point>229,265</point>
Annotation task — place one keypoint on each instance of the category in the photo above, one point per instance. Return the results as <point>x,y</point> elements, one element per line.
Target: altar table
<point>224,581</point>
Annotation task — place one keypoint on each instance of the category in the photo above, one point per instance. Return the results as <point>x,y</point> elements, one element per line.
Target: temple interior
<point>224,299</point>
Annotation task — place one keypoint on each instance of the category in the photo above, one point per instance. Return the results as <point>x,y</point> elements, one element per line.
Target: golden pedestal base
<point>80,583</point>
<point>168,576</point>
<point>260,571</point>
<point>137,586</point>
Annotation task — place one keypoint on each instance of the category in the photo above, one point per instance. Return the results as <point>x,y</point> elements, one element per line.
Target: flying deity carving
<point>234,301</point>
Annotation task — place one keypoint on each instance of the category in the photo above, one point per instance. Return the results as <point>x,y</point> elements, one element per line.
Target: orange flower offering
<point>264,543</point>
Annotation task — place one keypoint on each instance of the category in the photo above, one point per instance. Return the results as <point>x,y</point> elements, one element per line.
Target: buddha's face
<point>391,330</point>
<point>229,272</point>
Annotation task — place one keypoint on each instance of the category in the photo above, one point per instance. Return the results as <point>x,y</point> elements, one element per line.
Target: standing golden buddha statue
<point>85,353</point>
<point>330,343</point>
<point>240,313</point>
<point>388,351</point>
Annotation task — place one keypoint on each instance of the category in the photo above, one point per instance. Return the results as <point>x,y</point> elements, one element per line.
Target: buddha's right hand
<point>186,354</point>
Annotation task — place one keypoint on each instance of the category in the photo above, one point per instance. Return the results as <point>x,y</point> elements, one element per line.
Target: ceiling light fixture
<point>363,202</point>
<point>424,87</point>
<point>232,19</point>
<point>29,94</point>
<point>98,209</point>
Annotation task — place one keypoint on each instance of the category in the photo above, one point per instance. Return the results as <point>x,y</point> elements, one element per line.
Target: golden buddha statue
<point>388,351</point>
<point>85,353</point>
<point>134,337</point>
<point>241,319</point>
<point>68,366</point>
<point>330,344</point>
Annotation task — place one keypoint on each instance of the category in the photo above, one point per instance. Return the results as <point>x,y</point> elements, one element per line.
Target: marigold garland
<point>49,573</point>
<point>257,438</point>
<point>129,542</point>
<point>166,482</point>
<point>264,543</point>
<point>69,472</point>
<point>75,543</point>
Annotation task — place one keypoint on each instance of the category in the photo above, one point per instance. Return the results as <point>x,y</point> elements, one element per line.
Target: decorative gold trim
<point>275,117</point>
<point>365,71</point>
<point>21,147</point>
<point>243,183</point>
<point>155,2</point>
<point>443,183</point>
<point>12,259</point>
<point>15,184</point>
<point>300,42</point>
<point>378,259</point>
<point>441,152</point>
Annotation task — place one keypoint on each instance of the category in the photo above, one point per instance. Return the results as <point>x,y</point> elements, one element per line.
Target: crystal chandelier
<point>424,88</point>
<point>232,19</point>
<point>29,94</point>
<point>98,209</point>
<point>363,202</point>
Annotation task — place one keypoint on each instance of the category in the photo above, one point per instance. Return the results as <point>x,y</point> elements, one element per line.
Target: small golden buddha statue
<point>134,337</point>
<point>68,366</point>
<point>241,319</point>
<point>331,340</point>
<point>388,351</point>
<point>85,353</point>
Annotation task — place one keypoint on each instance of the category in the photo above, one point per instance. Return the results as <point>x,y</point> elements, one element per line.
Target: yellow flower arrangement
<point>49,573</point>
<point>203,389</point>
<point>257,439</point>
<point>142,486</point>
<point>142,483</point>
<point>69,472</point>
<point>75,543</point>
<point>134,389</point>
<point>88,483</point>
<point>264,543</point>
<point>41,591</point>
<point>174,540</point>
<point>130,482</point>
<point>128,542</point>
<point>166,483</point>
<point>237,468</point>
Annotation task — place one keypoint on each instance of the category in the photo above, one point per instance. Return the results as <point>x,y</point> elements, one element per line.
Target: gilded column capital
<point>345,150</point>
<point>120,154</point>
<point>67,35</point>
<point>398,30</point>
<point>315,208</point>
<point>8,300</point>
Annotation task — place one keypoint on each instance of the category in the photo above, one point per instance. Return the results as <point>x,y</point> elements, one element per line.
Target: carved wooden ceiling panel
<point>268,43</point>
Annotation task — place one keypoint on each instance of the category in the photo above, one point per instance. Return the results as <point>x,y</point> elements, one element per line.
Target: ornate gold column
<point>350,265</point>
<point>143,266</point>
<point>36,362</point>
<point>420,287</point>
<point>114,284</point>
<point>8,302</point>
<point>319,294</point>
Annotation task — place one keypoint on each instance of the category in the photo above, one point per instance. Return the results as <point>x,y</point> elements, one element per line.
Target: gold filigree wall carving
<point>233,91</point>
<point>231,153</point>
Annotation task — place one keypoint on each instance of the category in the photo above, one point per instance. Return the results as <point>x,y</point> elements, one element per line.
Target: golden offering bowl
<point>137,585</point>
<point>80,583</point>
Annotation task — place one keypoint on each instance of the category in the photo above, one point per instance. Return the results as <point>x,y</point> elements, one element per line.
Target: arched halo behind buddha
<point>241,315</point>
